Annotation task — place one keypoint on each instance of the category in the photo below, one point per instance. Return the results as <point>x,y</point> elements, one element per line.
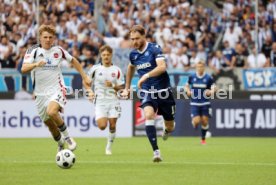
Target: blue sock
<point>151,133</point>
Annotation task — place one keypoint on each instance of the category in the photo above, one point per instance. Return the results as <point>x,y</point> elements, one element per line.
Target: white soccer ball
<point>208,134</point>
<point>65,158</point>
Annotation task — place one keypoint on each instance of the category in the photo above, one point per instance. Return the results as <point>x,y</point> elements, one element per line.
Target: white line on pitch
<point>149,162</point>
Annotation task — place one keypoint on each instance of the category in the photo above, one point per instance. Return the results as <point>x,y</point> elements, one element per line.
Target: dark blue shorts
<point>162,102</point>
<point>205,110</point>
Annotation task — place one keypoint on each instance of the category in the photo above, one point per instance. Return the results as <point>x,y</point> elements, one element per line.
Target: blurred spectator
<point>87,60</point>
<point>241,56</point>
<point>260,62</point>
<point>6,53</point>
<point>179,60</point>
<point>172,24</point>
<point>267,47</point>
<point>231,36</point>
<point>201,53</point>
<point>273,55</point>
<point>125,43</point>
<point>218,62</point>
<point>229,54</point>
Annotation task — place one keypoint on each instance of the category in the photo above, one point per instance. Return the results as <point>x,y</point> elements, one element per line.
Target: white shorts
<point>111,109</point>
<point>42,103</point>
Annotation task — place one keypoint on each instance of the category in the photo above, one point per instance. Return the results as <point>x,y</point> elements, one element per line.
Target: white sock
<point>111,136</point>
<point>64,131</point>
<point>60,141</point>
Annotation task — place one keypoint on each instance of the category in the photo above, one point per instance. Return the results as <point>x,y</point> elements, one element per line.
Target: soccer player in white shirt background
<point>44,61</point>
<point>107,80</point>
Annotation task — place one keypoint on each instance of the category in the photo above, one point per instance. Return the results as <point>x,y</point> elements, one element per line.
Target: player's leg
<point>166,108</point>
<point>151,131</point>
<point>102,122</point>
<point>169,123</point>
<point>205,122</point>
<point>53,112</point>
<point>101,115</point>
<point>113,114</point>
<point>42,111</point>
<point>195,114</point>
<point>111,135</point>
<point>55,133</point>
<point>204,128</point>
<point>196,120</point>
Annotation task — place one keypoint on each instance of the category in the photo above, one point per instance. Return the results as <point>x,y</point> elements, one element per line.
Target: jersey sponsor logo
<point>200,85</point>
<point>143,66</point>
<point>55,55</point>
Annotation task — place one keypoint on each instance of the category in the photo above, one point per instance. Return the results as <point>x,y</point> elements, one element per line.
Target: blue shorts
<point>162,102</point>
<point>204,110</point>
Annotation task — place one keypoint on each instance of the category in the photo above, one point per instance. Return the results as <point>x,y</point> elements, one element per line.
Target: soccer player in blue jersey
<point>199,88</point>
<point>154,88</point>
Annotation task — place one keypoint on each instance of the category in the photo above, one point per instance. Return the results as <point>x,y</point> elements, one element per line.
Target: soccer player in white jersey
<point>44,61</point>
<point>107,80</point>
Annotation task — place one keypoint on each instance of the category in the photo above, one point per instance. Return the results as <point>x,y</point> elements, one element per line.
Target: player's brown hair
<point>48,28</point>
<point>138,28</point>
<point>106,48</point>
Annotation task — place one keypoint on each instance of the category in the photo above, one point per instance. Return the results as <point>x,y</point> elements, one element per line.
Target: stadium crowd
<point>183,29</point>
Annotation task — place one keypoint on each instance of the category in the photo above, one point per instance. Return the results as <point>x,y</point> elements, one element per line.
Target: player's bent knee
<point>149,116</point>
<point>205,121</point>
<point>196,121</point>
<point>101,127</point>
<point>102,124</point>
<point>51,113</point>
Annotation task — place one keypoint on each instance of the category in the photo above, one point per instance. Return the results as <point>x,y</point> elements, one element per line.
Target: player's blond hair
<point>138,28</point>
<point>48,28</point>
<point>106,48</point>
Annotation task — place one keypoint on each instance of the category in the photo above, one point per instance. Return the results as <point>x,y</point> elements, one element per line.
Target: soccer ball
<point>65,159</point>
<point>208,134</point>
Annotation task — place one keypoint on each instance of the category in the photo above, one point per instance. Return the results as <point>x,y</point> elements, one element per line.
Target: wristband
<point>147,75</point>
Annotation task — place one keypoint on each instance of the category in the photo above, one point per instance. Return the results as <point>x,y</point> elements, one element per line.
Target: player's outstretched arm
<point>129,75</point>
<point>88,91</point>
<point>27,67</point>
<point>79,68</point>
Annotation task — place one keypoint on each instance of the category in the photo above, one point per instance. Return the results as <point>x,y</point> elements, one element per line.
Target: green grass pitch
<point>224,161</point>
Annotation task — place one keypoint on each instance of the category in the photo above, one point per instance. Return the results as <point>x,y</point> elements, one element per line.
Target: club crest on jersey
<point>143,66</point>
<point>48,61</point>
<point>147,53</point>
<point>100,74</point>
<point>56,55</point>
<point>113,74</point>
